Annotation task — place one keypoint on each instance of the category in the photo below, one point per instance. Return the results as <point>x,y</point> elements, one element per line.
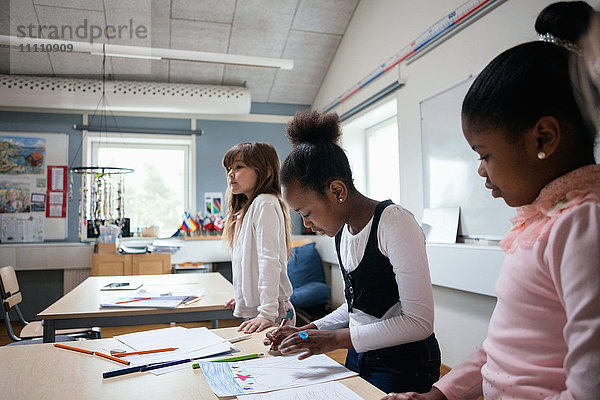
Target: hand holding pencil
<point>276,336</point>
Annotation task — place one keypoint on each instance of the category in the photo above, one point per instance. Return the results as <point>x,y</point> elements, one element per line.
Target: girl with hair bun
<point>386,322</point>
<point>537,153</point>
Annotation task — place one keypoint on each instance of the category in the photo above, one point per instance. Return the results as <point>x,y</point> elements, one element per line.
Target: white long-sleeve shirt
<point>402,241</point>
<point>259,261</point>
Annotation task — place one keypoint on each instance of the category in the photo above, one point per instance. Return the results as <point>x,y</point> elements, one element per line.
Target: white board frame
<point>450,176</point>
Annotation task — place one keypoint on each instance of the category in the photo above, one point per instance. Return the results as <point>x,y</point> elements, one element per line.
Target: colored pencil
<point>112,358</point>
<point>185,303</point>
<point>282,324</point>
<point>130,301</point>
<point>91,353</point>
<point>147,367</point>
<point>64,346</point>
<point>144,352</point>
<point>239,358</point>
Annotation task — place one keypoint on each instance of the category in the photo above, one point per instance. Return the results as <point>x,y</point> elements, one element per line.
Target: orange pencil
<point>64,346</point>
<point>144,352</point>
<point>112,358</point>
<point>129,301</point>
<point>185,303</point>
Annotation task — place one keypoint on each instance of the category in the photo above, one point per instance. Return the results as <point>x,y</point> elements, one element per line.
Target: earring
<point>340,200</point>
<point>541,155</point>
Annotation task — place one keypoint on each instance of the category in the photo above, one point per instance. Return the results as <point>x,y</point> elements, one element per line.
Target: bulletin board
<point>26,214</point>
<point>450,169</point>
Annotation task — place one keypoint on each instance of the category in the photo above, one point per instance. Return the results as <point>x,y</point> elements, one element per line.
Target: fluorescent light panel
<point>115,50</point>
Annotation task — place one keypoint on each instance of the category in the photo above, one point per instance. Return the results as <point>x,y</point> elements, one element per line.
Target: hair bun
<point>310,126</point>
<point>567,20</point>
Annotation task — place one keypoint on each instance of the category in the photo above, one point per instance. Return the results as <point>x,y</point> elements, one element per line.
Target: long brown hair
<point>261,157</point>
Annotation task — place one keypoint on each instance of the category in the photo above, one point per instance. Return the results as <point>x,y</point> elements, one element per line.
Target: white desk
<point>81,307</point>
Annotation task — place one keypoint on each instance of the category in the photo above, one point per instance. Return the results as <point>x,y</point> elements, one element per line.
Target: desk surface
<point>81,307</point>
<point>84,300</point>
<point>44,371</point>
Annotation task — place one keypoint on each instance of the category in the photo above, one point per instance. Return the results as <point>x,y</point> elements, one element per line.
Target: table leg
<point>49,331</point>
<point>215,323</point>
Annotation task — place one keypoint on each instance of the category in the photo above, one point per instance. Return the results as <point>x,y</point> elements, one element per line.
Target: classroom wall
<point>379,29</point>
<point>218,137</point>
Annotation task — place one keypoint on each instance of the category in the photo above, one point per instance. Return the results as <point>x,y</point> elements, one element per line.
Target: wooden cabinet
<point>104,264</point>
<point>151,264</point>
<point>111,264</point>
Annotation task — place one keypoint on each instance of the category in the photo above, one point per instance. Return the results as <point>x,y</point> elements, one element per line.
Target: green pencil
<point>239,358</point>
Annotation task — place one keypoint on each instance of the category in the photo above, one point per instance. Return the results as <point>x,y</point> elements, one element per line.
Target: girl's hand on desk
<point>256,324</point>
<point>433,394</point>
<point>276,336</point>
<point>230,304</point>
<point>318,342</point>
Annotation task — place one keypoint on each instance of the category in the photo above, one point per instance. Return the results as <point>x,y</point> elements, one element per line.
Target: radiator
<point>73,277</point>
<point>122,96</point>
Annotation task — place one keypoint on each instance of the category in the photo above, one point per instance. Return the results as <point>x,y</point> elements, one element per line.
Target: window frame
<point>93,141</point>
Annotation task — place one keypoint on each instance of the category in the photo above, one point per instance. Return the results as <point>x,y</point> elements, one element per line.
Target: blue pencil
<point>143,368</point>
<point>147,367</point>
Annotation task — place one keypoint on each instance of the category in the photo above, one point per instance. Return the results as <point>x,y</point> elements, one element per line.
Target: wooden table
<point>80,307</point>
<point>41,371</point>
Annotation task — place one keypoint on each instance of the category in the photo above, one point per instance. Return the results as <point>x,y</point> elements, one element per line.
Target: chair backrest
<point>9,288</point>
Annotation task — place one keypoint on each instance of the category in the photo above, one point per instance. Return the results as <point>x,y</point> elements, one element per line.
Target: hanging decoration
<point>101,198</point>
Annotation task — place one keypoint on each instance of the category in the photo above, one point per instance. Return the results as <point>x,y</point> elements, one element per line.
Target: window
<point>161,187</point>
<point>383,179</point>
<point>371,142</point>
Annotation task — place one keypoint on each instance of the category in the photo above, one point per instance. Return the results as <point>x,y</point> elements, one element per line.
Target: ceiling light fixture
<point>127,56</point>
<point>116,50</point>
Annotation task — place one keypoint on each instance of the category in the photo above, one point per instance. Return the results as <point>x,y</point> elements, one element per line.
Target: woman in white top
<point>386,322</point>
<point>257,228</point>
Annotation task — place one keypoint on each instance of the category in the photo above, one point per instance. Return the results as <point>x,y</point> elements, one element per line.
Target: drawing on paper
<point>22,155</point>
<point>14,196</point>
<point>263,375</point>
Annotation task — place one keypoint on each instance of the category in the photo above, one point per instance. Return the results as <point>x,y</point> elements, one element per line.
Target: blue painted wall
<point>220,136</point>
<point>217,138</point>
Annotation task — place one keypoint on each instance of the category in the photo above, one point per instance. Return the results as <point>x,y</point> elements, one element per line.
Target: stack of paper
<point>133,247</point>
<point>165,246</point>
<point>145,299</point>
<point>189,344</point>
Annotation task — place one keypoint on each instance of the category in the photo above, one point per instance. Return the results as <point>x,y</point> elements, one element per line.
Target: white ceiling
<point>307,31</point>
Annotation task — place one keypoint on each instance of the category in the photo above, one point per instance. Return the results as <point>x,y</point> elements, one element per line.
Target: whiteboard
<point>450,169</point>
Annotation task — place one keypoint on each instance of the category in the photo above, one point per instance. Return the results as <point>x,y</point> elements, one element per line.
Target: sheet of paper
<point>273,373</point>
<point>440,225</point>
<point>322,391</point>
<point>156,299</point>
<point>190,343</point>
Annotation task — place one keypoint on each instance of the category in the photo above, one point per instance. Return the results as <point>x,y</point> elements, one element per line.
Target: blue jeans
<point>410,367</point>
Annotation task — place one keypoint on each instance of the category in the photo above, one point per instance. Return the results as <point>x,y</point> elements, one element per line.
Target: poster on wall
<point>15,195</point>
<point>213,203</point>
<point>22,155</point>
<point>24,186</point>
<point>57,192</point>
<point>18,228</point>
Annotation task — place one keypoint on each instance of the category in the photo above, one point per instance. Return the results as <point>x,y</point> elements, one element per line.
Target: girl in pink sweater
<point>536,152</point>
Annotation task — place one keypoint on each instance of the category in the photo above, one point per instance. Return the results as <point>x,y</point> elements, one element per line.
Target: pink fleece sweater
<point>544,335</point>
